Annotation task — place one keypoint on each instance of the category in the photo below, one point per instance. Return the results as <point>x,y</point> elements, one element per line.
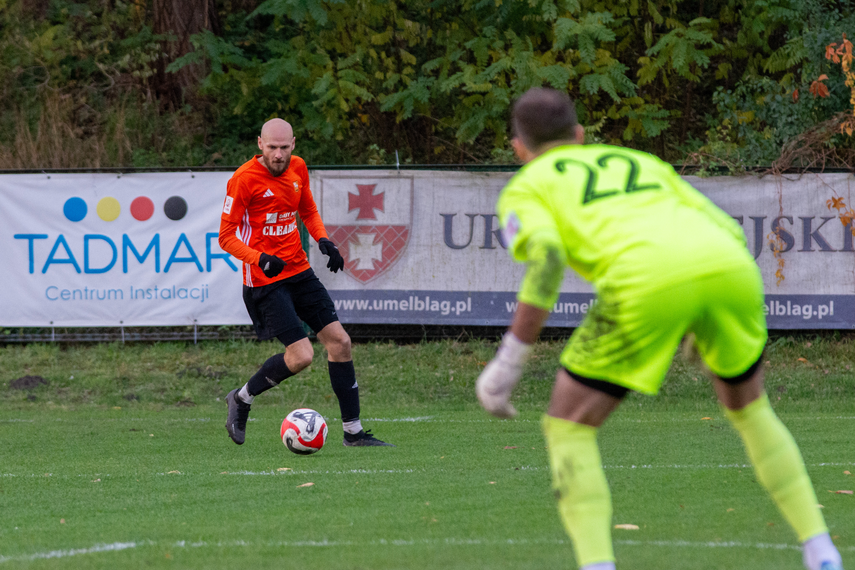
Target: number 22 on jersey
<point>603,161</point>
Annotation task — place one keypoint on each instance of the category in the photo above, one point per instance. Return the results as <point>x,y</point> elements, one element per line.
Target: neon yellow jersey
<point>621,218</point>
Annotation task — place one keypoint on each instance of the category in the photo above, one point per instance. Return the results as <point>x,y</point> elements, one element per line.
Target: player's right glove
<point>329,249</point>
<point>271,265</point>
<point>500,376</point>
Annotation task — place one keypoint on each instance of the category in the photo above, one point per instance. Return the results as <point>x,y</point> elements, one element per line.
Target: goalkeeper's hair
<point>544,115</point>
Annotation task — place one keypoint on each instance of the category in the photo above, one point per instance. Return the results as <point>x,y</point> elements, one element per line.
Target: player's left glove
<point>271,265</point>
<point>497,381</point>
<point>329,249</point>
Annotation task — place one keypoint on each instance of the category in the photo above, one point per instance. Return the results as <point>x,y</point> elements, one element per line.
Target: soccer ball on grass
<point>304,431</point>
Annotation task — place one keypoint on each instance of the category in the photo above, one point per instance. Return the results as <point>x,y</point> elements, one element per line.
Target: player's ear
<point>260,144</point>
<point>579,134</point>
<point>522,151</point>
<point>293,142</point>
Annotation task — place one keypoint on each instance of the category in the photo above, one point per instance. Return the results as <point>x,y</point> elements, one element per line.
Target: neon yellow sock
<point>779,466</point>
<point>584,502</point>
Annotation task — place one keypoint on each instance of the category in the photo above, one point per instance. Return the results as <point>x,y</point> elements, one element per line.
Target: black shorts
<point>613,390</point>
<point>277,309</point>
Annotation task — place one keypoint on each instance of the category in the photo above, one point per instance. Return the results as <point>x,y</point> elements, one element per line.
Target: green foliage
<point>79,87</point>
<point>753,121</point>
<point>680,49</point>
<point>431,79</point>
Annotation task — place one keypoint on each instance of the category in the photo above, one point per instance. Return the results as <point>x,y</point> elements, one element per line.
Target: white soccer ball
<point>304,431</point>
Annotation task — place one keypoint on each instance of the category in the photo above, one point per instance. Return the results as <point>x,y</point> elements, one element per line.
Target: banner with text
<point>421,247</point>
<point>425,247</point>
<point>108,250</point>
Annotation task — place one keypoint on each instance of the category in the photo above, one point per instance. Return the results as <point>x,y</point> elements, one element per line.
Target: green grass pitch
<point>151,485</point>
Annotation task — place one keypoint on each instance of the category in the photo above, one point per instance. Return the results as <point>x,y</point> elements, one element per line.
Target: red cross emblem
<point>366,202</point>
<point>372,227</point>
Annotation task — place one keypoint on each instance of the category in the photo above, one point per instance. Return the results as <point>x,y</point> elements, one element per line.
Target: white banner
<point>447,264</point>
<point>105,250</point>
<point>420,247</point>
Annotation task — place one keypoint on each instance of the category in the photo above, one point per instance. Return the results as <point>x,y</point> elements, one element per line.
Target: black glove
<point>271,265</point>
<point>329,249</point>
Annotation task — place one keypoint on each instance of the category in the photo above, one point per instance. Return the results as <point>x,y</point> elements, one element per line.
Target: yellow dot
<point>108,209</point>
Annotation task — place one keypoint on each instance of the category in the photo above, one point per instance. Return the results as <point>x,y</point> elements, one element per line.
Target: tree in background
<point>177,21</point>
<point>84,83</point>
<point>187,82</point>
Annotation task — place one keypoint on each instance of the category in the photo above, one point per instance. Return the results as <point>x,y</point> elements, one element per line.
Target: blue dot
<point>74,209</point>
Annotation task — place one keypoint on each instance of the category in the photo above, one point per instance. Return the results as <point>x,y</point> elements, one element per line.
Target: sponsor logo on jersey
<point>279,230</point>
<point>268,194</point>
<point>227,207</point>
<point>272,218</point>
<point>285,216</point>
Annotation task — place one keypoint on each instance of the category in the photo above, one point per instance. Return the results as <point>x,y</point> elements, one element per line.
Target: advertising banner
<point>449,264</point>
<point>421,247</point>
<point>111,250</point>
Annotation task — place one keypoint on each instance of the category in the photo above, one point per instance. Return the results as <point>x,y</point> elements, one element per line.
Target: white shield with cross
<point>369,220</point>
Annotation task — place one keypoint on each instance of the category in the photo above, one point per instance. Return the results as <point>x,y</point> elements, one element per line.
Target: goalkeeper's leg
<point>779,465</point>
<point>584,503</point>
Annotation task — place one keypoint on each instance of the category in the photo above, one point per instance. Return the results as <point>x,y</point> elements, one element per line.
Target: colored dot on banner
<point>108,209</point>
<point>75,209</point>
<point>175,208</point>
<point>142,208</point>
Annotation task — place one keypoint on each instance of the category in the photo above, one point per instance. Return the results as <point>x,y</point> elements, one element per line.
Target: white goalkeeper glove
<point>500,376</point>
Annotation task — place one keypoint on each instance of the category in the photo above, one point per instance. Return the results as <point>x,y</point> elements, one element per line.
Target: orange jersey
<point>260,216</point>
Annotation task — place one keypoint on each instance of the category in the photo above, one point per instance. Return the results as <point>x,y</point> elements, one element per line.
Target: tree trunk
<point>178,20</point>
<point>35,9</point>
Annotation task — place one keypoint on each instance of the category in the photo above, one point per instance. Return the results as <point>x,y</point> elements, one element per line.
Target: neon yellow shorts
<point>630,339</point>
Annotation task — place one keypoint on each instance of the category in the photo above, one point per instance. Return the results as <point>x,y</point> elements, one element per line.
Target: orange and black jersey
<point>260,216</point>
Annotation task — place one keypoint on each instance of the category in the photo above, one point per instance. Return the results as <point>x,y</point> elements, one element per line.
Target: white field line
<point>434,419</point>
<point>291,471</point>
<point>114,547</point>
<point>451,541</point>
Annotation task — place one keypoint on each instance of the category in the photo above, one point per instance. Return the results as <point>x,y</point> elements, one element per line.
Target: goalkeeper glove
<point>501,375</point>
<point>271,265</point>
<point>329,249</point>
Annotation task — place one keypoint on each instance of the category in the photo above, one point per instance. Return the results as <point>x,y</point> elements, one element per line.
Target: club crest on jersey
<point>369,220</point>
<point>296,186</point>
<point>268,194</point>
<point>272,218</point>
<point>511,229</point>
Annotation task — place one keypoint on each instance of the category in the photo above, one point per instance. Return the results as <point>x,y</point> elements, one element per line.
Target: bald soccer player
<point>259,227</point>
<point>664,261</point>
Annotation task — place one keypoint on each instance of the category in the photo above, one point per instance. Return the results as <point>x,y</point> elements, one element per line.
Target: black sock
<point>343,380</point>
<point>271,373</point>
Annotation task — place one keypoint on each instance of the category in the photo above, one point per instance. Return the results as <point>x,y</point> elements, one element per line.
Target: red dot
<point>142,208</point>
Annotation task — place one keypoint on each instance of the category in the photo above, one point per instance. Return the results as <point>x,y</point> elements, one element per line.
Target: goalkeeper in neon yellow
<point>664,262</point>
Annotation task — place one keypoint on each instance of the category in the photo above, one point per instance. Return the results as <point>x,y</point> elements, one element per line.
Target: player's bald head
<point>277,129</point>
<point>543,116</point>
<point>276,142</point>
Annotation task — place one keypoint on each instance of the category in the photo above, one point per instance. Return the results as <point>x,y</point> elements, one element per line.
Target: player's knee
<point>302,362</point>
<point>340,347</point>
<point>344,344</point>
<point>299,356</point>
<point>336,341</point>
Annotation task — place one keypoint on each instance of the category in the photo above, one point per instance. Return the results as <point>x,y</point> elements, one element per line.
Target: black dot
<point>175,208</point>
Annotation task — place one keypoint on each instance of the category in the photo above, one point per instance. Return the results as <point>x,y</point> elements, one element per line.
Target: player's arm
<point>528,322</point>
<point>234,208</point>
<point>308,211</point>
<point>534,240</point>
